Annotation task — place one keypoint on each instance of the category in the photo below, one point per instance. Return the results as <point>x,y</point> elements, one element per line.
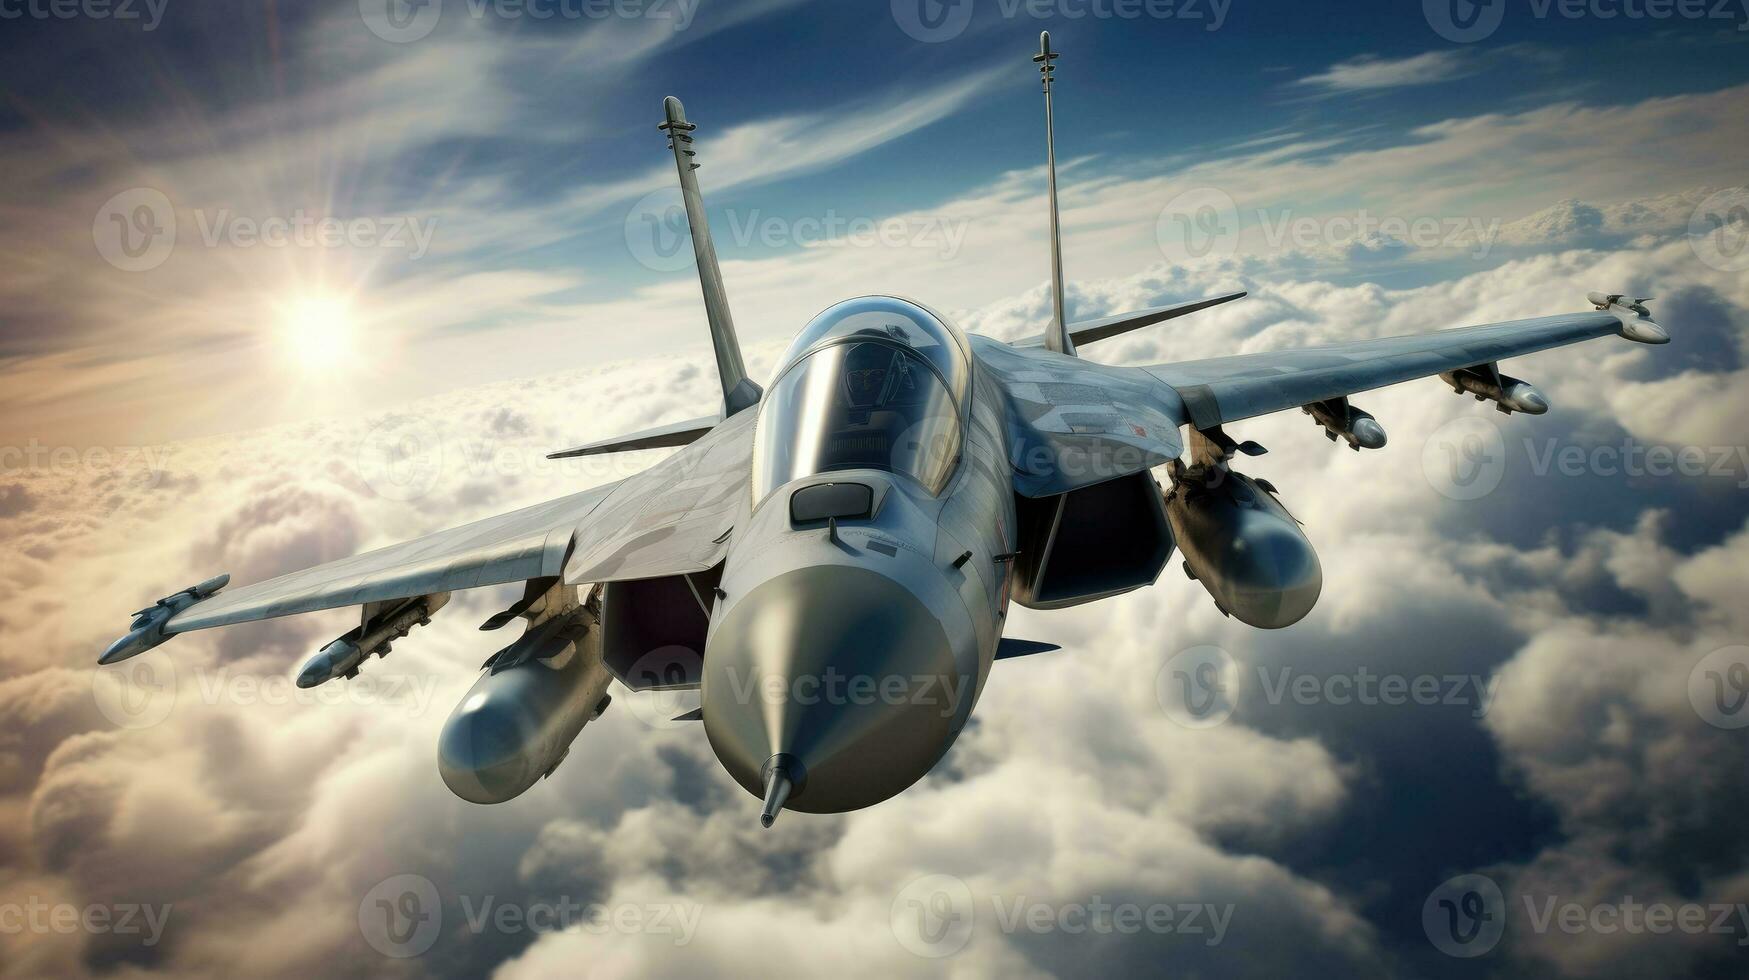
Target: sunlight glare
<point>319,331</point>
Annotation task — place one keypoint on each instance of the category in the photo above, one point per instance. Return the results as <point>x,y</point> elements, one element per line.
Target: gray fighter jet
<point>830,559</point>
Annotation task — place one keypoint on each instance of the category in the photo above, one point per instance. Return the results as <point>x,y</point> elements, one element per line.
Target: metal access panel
<point>1092,543</point>
<point>653,630</point>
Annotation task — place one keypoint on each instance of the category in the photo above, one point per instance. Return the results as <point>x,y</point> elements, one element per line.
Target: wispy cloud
<point>1371,73</point>
<point>785,146</point>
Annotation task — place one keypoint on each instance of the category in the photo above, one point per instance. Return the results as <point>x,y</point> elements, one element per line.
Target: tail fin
<point>739,391</point>
<point>1057,337</point>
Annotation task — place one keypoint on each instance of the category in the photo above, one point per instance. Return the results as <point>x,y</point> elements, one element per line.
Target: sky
<point>248,248</point>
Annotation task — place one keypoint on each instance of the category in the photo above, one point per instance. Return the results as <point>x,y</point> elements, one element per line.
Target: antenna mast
<point>1057,337</point>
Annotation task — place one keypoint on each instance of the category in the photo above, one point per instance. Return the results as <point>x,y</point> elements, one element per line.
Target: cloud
<point>1369,73</point>
<point>1072,786</point>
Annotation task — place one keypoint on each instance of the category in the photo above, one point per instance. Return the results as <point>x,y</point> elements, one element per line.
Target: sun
<point>319,329</point>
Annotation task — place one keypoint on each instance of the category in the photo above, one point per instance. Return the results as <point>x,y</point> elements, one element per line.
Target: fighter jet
<point>829,560</point>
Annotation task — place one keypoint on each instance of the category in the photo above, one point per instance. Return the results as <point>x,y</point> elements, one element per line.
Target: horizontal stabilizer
<point>1010,648</point>
<point>661,437</point>
<point>1088,331</point>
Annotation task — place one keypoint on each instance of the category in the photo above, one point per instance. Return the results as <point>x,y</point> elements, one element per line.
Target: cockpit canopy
<point>872,383</point>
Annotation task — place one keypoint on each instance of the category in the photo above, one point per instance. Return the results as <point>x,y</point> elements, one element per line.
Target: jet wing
<point>673,518</point>
<point>664,521</point>
<point>1226,389</point>
<point>520,545</point>
<point>1074,423</point>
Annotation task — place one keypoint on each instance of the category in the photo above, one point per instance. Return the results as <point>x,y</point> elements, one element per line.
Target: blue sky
<point>526,145</point>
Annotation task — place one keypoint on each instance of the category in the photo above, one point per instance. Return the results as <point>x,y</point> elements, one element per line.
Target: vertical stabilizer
<point>1057,337</point>
<point>739,391</point>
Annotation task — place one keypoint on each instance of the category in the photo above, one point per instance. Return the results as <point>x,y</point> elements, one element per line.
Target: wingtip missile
<point>148,626</point>
<point>1636,320</point>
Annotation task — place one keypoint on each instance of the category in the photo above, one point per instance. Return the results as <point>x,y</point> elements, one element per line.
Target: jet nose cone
<point>838,677</point>
<point>481,754</point>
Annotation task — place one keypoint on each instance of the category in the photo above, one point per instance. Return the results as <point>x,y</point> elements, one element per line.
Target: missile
<point>1636,321</point>
<point>1340,419</point>
<point>1508,394</point>
<point>148,626</point>
<point>1244,547</point>
<point>517,723</point>
<point>342,657</point>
